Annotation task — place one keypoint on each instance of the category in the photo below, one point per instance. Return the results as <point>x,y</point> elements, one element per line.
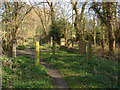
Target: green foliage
<point>24,74</point>
<point>29,38</point>
<point>33,47</point>
<point>78,72</point>
<point>26,40</point>
<point>43,46</point>
<point>21,47</point>
<point>58,29</point>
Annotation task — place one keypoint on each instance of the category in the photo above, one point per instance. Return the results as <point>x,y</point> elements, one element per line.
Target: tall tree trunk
<point>106,18</point>
<point>78,21</point>
<point>74,7</point>
<point>115,24</point>
<point>53,20</point>
<point>53,47</point>
<point>94,38</point>
<point>94,33</point>
<point>110,26</point>
<point>119,36</point>
<point>14,39</point>
<point>103,41</point>
<point>111,39</point>
<point>81,21</point>
<point>83,30</point>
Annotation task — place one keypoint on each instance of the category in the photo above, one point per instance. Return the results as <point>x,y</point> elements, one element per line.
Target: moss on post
<point>53,50</point>
<point>37,53</point>
<point>89,51</point>
<point>51,41</point>
<point>118,51</point>
<point>53,47</point>
<point>23,41</point>
<point>14,50</point>
<point>33,41</point>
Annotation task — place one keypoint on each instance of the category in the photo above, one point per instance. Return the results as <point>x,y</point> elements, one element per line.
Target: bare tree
<point>107,19</point>
<point>12,20</point>
<point>78,20</point>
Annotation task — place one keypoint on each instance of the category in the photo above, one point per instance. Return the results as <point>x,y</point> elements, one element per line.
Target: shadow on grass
<point>71,50</point>
<point>24,74</point>
<point>98,72</point>
<point>90,81</point>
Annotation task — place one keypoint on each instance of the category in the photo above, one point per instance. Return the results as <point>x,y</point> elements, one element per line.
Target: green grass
<point>21,47</point>
<point>44,46</point>
<point>80,73</point>
<point>33,47</point>
<point>76,45</point>
<point>23,74</point>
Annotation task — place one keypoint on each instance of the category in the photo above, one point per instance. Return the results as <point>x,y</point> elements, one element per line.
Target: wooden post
<point>72,43</point>
<point>118,51</point>
<point>33,41</point>
<point>62,42</point>
<point>51,41</point>
<point>1,49</point>
<point>82,46</point>
<point>14,51</point>
<point>89,51</point>
<point>37,53</point>
<point>69,44</point>
<point>23,42</point>
<point>53,47</point>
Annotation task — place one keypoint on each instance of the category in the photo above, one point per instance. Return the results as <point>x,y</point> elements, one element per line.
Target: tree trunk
<point>53,47</point>
<point>78,21</point>
<point>14,50</point>
<point>53,20</point>
<point>23,42</point>
<point>103,41</point>
<point>66,38</point>
<point>116,23</point>
<point>110,27</point>
<point>111,40</point>
<point>94,38</point>
<point>89,51</point>
<point>14,32</point>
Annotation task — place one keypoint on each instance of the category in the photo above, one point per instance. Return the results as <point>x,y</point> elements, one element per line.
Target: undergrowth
<point>22,73</point>
<point>80,73</point>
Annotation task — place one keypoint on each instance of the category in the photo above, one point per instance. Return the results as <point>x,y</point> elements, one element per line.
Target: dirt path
<point>58,80</point>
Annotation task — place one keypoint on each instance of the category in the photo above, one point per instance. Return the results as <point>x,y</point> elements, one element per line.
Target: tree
<point>78,20</point>
<point>52,12</point>
<point>106,17</point>
<point>11,22</point>
<point>59,30</point>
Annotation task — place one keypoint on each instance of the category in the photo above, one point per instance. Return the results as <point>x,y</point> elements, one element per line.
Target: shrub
<point>21,47</point>
<point>33,47</point>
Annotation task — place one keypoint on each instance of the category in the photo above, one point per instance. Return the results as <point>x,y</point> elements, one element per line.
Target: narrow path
<point>58,80</point>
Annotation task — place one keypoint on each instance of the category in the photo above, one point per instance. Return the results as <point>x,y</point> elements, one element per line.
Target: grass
<point>21,47</point>
<point>76,45</point>
<point>33,47</point>
<point>43,46</point>
<point>80,73</point>
<point>23,74</point>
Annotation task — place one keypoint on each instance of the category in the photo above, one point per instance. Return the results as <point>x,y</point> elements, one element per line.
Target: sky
<point>66,6</point>
<point>62,0</point>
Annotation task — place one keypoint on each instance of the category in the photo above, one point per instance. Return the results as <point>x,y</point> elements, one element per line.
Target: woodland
<point>60,44</point>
